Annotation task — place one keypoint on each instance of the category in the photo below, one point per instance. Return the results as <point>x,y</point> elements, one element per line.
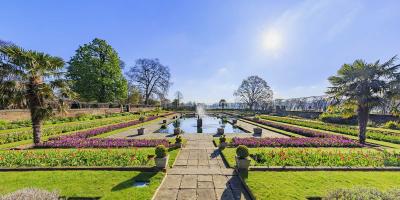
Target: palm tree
<point>222,103</point>
<point>365,85</point>
<point>33,78</point>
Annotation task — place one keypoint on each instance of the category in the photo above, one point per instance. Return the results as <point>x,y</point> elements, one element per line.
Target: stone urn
<point>257,131</point>
<point>178,145</point>
<point>242,163</point>
<point>164,121</point>
<point>177,131</point>
<point>140,131</point>
<point>220,131</point>
<point>223,145</point>
<point>234,121</point>
<point>161,163</point>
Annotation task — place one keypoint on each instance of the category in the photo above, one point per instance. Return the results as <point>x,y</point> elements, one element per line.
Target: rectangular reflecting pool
<point>210,125</point>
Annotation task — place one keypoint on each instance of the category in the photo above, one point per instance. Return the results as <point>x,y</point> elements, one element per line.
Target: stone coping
<point>138,168</point>
<point>303,168</point>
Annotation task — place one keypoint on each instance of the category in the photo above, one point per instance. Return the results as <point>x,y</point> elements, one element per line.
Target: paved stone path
<point>200,173</point>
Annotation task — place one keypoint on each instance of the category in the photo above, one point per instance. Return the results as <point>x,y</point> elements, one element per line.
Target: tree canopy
<point>365,85</point>
<point>34,79</point>
<point>95,70</point>
<point>254,91</point>
<point>151,77</point>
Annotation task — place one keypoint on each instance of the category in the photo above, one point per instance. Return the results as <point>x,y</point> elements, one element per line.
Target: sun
<point>272,40</point>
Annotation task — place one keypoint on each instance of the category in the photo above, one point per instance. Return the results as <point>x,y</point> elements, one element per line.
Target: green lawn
<point>300,185</point>
<point>104,184</point>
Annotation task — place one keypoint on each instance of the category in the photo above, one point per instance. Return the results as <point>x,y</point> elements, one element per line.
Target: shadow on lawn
<point>142,177</point>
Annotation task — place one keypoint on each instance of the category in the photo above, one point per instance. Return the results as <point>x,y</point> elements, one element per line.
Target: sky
<point>211,46</point>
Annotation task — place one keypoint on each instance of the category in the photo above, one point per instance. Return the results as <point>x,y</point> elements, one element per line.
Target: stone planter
<point>223,145</point>
<point>179,145</point>
<point>257,131</point>
<point>220,131</point>
<point>164,121</point>
<point>161,163</point>
<point>234,121</point>
<point>177,131</point>
<point>242,164</point>
<point>140,131</point>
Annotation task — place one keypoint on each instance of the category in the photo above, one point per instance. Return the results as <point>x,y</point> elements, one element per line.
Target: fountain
<point>200,113</point>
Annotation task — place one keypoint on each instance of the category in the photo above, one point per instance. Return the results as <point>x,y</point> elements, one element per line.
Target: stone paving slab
<point>200,173</point>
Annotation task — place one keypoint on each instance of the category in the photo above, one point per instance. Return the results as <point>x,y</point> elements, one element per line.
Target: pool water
<point>210,125</point>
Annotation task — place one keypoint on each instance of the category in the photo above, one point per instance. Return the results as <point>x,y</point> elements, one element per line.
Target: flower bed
<point>382,135</point>
<point>76,157</point>
<point>327,157</point>
<point>15,135</point>
<point>82,139</point>
<point>332,158</point>
<point>72,142</point>
<point>299,130</point>
<point>295,142</point>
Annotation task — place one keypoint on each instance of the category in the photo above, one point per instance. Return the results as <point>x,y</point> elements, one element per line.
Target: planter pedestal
<point>257,131</point>
<point>140,131</point>
<point>161,163</point>
<point>242,164</point>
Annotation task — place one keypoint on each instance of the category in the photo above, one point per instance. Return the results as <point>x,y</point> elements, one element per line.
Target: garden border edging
<point>290,168</point>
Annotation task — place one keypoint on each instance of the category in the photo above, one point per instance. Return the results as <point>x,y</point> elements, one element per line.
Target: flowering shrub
<point>76,157</point>
<point>82,139</point>
<point>324,157</point>
<point>295,142</point>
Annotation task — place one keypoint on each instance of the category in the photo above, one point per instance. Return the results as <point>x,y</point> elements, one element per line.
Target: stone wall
<point>24,114</point>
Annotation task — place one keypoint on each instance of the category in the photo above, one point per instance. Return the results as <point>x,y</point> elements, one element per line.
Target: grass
<point>300,185</point>
<point>230,153</point>
<point>104,184</point>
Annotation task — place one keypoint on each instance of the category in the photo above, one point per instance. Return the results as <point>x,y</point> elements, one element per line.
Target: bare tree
<point>254,91</point>
<point>178,97</point>
<point>151,77</point>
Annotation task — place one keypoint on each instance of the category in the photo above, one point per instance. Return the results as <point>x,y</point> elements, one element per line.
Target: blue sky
<point>210,46</point>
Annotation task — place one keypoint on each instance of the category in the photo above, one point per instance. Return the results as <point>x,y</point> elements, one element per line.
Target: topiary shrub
<point>141,118</point>
<point>222,139</point>
<point>161,151</point>
<point>178,139</point>
<point>242,152</point>
<point>163,126</point>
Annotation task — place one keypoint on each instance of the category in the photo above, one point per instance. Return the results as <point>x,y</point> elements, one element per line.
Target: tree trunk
<point>363,114</point>
<point>37,131</point>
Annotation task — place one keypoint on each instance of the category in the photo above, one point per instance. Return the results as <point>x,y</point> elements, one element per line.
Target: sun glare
<point>272,40</point>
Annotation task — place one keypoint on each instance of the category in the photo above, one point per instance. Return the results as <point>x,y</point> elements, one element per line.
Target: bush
<point>363,193</point>
<point>163,126</point>
<point>242,152</point>
<point>338,119</point>
<point>222,139</point>
<point>391,125</point>
<point>31,193</point>
<point>178,139</point>
<point>141,118</point>
<point>161,151</point>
